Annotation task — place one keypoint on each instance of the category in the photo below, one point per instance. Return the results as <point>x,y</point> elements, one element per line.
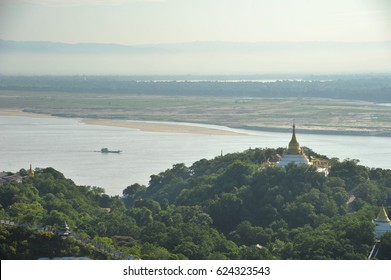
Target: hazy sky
<point>134,22</point>
<point>167,21</point>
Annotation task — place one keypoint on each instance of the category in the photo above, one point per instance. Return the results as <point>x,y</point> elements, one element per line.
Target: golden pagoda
<point>382,223</point>
<point>31,171</point>
<point>294,146</point>
<point>294,153</point>
<point>382,217</point>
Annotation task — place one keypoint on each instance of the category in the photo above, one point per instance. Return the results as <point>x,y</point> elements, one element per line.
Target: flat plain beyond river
<point>312,115</point>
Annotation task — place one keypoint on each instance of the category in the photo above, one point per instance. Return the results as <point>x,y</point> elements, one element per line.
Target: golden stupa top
<point>294,146</point>
<point>31,171</point>
<point>382,216</point>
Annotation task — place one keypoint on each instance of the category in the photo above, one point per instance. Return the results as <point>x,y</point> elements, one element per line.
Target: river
<point>69,146</point>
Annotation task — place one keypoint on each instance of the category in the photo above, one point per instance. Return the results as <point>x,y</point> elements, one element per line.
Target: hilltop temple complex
<point>295,154</point>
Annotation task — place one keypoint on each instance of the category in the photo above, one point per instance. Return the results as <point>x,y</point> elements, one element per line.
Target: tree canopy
<point>231,207</point>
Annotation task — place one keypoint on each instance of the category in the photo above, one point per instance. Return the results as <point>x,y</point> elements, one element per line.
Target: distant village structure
<point>295,154</point>
<point>7,177</point>
<point>64,231</point>
<point>31,172</point>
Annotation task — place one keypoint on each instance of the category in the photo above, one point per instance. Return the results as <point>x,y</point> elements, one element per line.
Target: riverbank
<point>20,113</point>
<point>161,127</point>
<point>341,132</point>
<point>312,115</point>
<point>157,126</point>
<point>140,125</point>
<point>182,128</point>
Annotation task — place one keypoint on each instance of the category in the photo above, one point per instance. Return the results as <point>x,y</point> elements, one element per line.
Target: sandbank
<point>20,113</point>
<point>161,127</point>
<point>141,125</point>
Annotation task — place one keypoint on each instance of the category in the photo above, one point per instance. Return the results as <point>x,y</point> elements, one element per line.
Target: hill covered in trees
<point>230,207</point>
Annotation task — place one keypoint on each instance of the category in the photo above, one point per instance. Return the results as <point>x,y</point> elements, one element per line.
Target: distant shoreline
<point>318,131</point>
<point>152,126</point>
<point>20,113</point>
<point>157,126</point>
<point>161,127</point>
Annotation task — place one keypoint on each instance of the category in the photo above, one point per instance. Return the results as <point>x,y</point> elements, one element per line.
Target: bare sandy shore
<point>16,112</point>
<point>144,126</point>
<point>162,127</point>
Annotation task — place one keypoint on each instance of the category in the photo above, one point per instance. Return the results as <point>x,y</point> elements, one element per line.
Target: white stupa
<point>382,222</point>
<point>294,153</point>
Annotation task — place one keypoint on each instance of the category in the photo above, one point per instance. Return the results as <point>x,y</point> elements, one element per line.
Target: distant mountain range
<point>213,46</point>
<point>206,58</point>
<point>55,47</point>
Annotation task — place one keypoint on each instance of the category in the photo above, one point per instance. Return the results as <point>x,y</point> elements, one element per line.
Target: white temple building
<point>382,223</point>
<point>294,153</point>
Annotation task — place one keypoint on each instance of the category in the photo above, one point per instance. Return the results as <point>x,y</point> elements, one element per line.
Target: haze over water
<point>68,146</point>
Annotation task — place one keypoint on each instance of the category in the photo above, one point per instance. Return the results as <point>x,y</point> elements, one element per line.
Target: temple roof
<point>294,146</point>
<point>382,216</point>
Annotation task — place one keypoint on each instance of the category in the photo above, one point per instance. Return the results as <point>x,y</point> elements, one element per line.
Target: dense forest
<point>234,206</point>
<point>374,88</point>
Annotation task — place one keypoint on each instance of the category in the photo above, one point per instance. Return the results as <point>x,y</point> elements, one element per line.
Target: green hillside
<point>231,207</point>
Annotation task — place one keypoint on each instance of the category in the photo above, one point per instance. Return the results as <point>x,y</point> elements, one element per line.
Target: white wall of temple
<point>382,228</point>
<point>297,159</point>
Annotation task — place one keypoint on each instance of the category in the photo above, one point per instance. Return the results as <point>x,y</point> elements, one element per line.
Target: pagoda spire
<point>294,146</point>
<point>31,171</point>
<point>294,153</point>
<point>382,217</point>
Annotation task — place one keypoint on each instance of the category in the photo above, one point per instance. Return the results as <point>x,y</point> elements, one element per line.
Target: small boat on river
<point>107,151</point>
